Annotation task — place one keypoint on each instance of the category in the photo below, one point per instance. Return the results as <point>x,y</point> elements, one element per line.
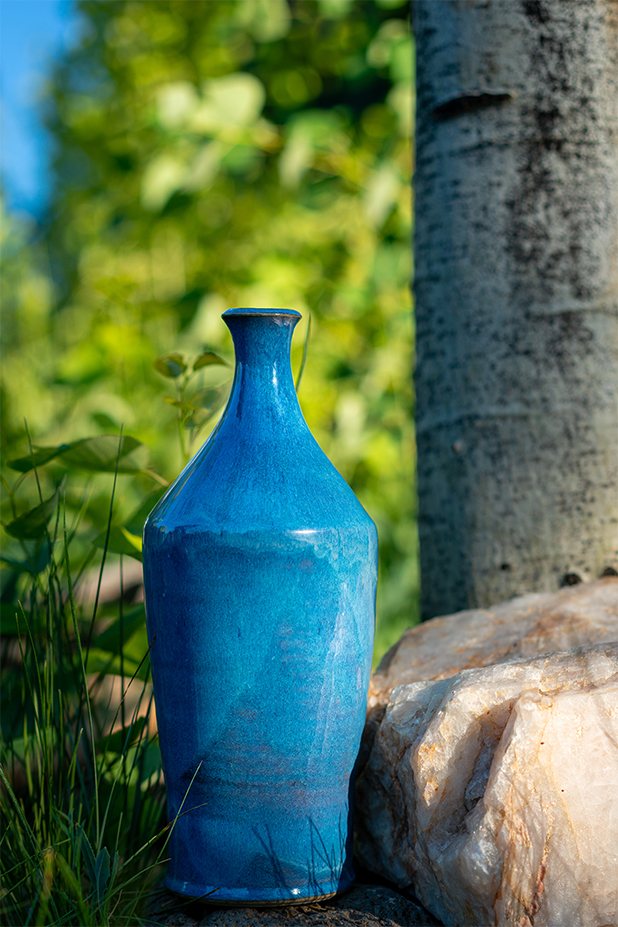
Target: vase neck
<point>262,341</point>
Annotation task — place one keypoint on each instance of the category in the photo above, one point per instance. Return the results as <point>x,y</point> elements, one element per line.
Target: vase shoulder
<point>234,485</point>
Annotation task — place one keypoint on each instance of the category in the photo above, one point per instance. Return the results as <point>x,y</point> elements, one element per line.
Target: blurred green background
<point>213,153</point>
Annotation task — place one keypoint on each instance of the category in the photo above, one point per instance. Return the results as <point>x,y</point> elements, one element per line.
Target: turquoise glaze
<point>260,574</point>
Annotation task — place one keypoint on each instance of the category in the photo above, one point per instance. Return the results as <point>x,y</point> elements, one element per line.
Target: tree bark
<point>516,289</point>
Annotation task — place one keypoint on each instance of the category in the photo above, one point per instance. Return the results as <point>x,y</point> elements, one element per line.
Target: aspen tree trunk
<point>516,288</point>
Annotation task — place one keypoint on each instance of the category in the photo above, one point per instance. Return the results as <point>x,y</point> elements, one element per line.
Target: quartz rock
<point>493,794</point>
<point>526,626</point>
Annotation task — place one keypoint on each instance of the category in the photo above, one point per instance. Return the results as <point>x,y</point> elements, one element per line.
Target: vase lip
<point>232,313</point>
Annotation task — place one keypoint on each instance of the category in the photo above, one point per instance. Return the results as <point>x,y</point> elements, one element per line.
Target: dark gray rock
<point>363,906</point>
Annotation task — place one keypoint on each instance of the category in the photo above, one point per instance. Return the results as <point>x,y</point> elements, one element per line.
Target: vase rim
<point>269,312</point>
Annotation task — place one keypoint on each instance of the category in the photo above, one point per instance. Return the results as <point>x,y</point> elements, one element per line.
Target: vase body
<point>260,571</point>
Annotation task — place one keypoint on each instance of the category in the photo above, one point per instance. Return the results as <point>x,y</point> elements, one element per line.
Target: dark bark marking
<point>535,12</point>
<point>571,579</point>
<point>470,102</point>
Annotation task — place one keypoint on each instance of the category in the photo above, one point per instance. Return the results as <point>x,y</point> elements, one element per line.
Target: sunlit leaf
<point>207,359</point>
<point>134,539</point>
<point>307,133</point>
<point>232,100</point>
<point>143,761</point>
<point>178,403</point>
<point>267,20</point>
<point>120,541</point>
<point>162,177</point>
<point>176,102</point>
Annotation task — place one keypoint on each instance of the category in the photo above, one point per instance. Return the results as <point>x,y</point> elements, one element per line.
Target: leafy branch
<point>194,409</point>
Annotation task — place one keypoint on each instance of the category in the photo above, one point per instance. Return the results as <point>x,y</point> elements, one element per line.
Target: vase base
<point>233,898</point>
<point>269,904</point>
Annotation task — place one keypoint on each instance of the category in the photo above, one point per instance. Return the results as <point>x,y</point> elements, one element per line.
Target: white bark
<point>516,287</point>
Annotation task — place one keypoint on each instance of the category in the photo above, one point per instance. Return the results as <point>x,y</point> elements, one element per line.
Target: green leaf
<point>33,523</point>
<point>13,622</point>
<point>120,541</point>
<point>137,645</point>
<point>207,359</point>
<point>102,873</point>
<point>39,457</point>
<point>114,872</point>
<point>170,365</point>
<point>97,454</point>
<point>178,403</point>
<point>206,399</point>
<point>8,620</point>
<point>121,740</point>
<point>143,761</point>
<point>136,521</point>
<point>37,564</point>
<point>87,853</point>
<point>132,621</point>
<point>202,399</point>
<point>107,664</point>
<point>104,420</point>
<point>100,454</point>
<point>16,749</point>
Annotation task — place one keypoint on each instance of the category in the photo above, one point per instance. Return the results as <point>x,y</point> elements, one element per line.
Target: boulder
<point>526,626</point>
<point>493,794</point>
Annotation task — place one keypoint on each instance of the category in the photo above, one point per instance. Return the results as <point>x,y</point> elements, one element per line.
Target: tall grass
<point>83,824</point>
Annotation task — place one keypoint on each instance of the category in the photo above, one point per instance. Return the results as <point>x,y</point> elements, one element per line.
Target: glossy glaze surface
<point>260,572</point>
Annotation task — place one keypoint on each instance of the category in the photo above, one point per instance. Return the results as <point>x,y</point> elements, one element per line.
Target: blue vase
<point>260,574</point>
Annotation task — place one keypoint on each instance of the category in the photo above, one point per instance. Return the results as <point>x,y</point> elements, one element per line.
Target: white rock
<point>526,626</point>
<point>494,793</point>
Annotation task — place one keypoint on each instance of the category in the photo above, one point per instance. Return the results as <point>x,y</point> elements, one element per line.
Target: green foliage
<point>194,409</point>
<point>216,153</point>
<point>83,829</point>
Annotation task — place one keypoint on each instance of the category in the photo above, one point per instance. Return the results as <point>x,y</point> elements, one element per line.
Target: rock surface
<point>493,794</point>
<point>363,906</point>
<point>526,626</point>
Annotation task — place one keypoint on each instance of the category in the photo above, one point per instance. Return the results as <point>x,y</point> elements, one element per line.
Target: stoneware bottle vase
<point>260,573</point>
